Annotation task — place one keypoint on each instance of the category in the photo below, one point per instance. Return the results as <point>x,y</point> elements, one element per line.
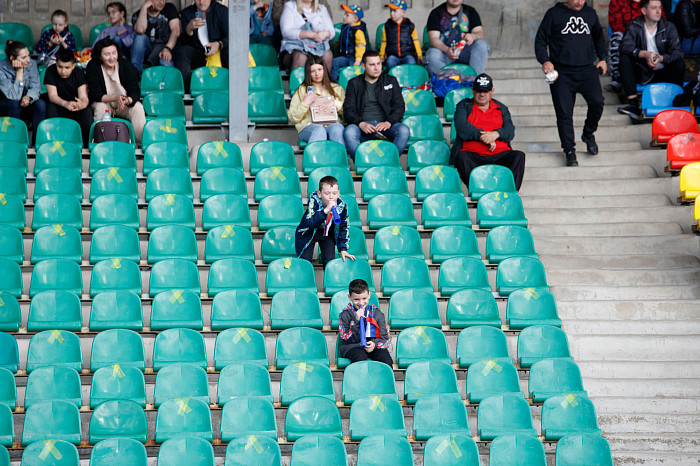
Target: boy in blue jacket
<point>325,222</point>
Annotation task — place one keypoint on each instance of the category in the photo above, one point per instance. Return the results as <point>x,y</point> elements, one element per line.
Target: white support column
<point>238,36</point>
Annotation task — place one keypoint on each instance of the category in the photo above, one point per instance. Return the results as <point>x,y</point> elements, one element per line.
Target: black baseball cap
<point>483,83</point>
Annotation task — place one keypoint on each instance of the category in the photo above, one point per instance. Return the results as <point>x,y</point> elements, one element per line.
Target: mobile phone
<point>310,89</point>
<point>199,15</point>
<point>381,136</point>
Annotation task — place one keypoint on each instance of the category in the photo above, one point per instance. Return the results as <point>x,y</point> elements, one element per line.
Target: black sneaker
<point>634,112</point>
<point>571,159</point>
<point>614,87</point>
<point>591,145</point>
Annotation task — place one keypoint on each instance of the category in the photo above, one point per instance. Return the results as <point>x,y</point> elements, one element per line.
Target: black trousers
<point>188,58</point>
<point>379,354</point>
<point>83,117</point>
<point>632,73</point>
<point>325,243</point>
<point>514,159</point>
<point>572,81</point>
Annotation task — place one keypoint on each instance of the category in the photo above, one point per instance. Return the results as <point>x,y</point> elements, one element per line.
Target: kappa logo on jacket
<point>576,25</point>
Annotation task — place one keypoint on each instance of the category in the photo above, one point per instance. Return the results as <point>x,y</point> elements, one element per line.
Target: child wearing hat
<point>353,40</point>
<point>400,43</point>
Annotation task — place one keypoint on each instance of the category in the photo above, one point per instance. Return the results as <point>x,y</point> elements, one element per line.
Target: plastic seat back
<point>568,414</point>
<point>396,241</point>
<point>542,342</point>
<point>520,272</point>
<point>56,419</point>
<point>658,97</point>
<point>454,97</point>
<point>579,449</point>
<point>236,308</point>
<point>240,345</point>
<point>442,209</point>
<point>33,454</point>
<point>226,209</point>
<point>384,180</point>
<point>419,344</point>
<point>509,241</point>
<point>118,382</point>
<point>342,174</point>
<point>54,348</point>
<point>118,419</point>
<point>165,155</point>
<point>176,309</point>
<point>376,153</point>
<point>374,449</point>
<point>437,179</point>
<point>116,309</point>
<point>168,181</point>
<point>375,415</point>
<point>210,78</point>
<point>243,380</point>
<point>115,275</point>
<point>7,428</point>
<point>280,210</point>
<point>183,417</point>
<point>179,346</point>
<point>55,310</point>
<point>222,180</point>
<point>57,242</point>
<point>428,378</point>
<point>112,154</point>
<point>312,415</point>
<point>552,377</point>
<point>163,130</point>
<point>263,55</point>
<point>228,241</point>
<point>248,416</point>
<point>529,306</point>
<point>347,73</point>
<point>215,154</point>
<point>305,379</point>
<point>115,241</point>
<point>210,108</point>
<point>460,273</point>
<point>324,154</point>
<point>13,182</point>
<point>117,346</point>
<point>366,378</point>
<point>232,274</point>
<point>300,344</point>
<point>164,105</point>
<point>278,243</point>
<point>290,273</point>
<point>481,342</point>
<point>408,308</point>
<point>262,78</point>
<point>14,154</point>
<point>419,102</point>
<point>502,415</point>
<point>10,313</point>
<point>114,209</point>
<point>276,180</point>
<point>179,381</point>
<point>267,107</point>
<point>499,208</point>
<point>12,211</point>
<point>265,451</point>
<point>296,79</point>
<point>58,181</point>
<point>453,241</point>
<point>295,308</point>
<point>113,180</point>
<point>271,154</point>
<point>470,307</point>
<point>14,129</point>
<point>56,274</point>
<point>489,377</point>
<point>404,273</point>
<point>58,154</point>
<point>424,128</point>
<point>490,178</point>
<point>510,449</point>
<point>172,242</point>
<point>668,123</point>
<point>162,79</point>
<point>451,450</point>
<point>10,278</point>
<point>9,353</point>
<point>410,76</point>
<point>186,449</point>
<point>390,209</point>
<point>683,149</point>
<point>426,153</point>
<point>174,274</point>
<point>118,451</point>
<point>58,129</point>
<point>52,383</point>
<point>439,415</point>
<point>318,449</point>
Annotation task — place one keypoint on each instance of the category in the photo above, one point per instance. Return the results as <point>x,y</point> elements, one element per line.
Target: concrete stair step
<point>523,121</point>
<point>588,173</point>
<point>682,215</point>
<point>551,148</point>
<point>657,448</point>
<point>650,423</point>
<point>622,277</point>
<point>642,369</point>
<point>515,62</point>
<point>627,310</point>
<point>672,349</point>
<point>616,245</point>
<point>600,187</point>
<point>543,202</point>
<point>617,293</point>
<point>641,387</point>
<point>607,157</point>
<point>630,133</point>
<point>609,229</point>
<point>520,108</point>
<point>636,327</point>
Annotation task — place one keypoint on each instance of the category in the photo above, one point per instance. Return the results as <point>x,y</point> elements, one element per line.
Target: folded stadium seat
<point>180,381</point>
<point>489,378</point>
<point>668,123</point>
<point>404,273</point>
<point>117,346</point>
<point>229,241</point>
<point>169,181</point>
<point>471,307</point>
<point>10,278</point>
<point>540,342</point>
<point>162,79</point>
<point>690,181</point>
<point>116,309</point>
<point>450,450</point>
<point>243,380</point>
<point>54,348</point>
<point>112,154</point>
<point>429,378</point>
<point>58,154</point>
<point>357,244</point>
<point>216,154</point>
<point>236,308</point>
<point>33,455</point>
<point>56,274</point>
<point>408,308</point>
<point>552,377</point>
<point>240,345</point>
<point>290,273</point>
<point>420,344</point>
<point>117,382</point>
<point>52,383</point>
<point>10,313</point>
<point>354,219</point>
<point>13,182</point>
<point>163,130</point>
<point>295,308</point>
<point>376,415</point>
<point>442,209</point>
<point>260,78</point>
<point>232,274</point>
<point>9,353</point>
<point>170,209</point>
<point>264,451</point>
<point>659,96</point>
<point>424,128</point>
<point>318,449</point>
<point>583,449</point>
<point>115,241</point>
<point>277,243</point>
<point>568,414</point>
<point>165,155</point>
<point>118,419</point>
<point>214,78</point>
<point>419,102</point>
<point>267,107</point>
<point>58,310</point>
<point>368,378</point>
<point>376,153</point>
<point>179,346</point>
<point>279,210</point>
<point>437,179</point>
<point>439,415</point>
<point>56,419</point>
<point>186,449</point>
<point>269,154</point>
<point>342,174</point>
<point>528,307</point>
<point>514,273</point>
<point>396,241</point>
<point>12,211</point>
<point>13,244</point>
<point>340,362</point>
<point>312,415</point>
<point>682,149</point>
<point>509,241</point>
<point>115,275</point>
<point>306,379</point>
<point>378,36</point>
<point>118,451</point>
<point>183,416</point>
<point>248,416</point>
<point>454,97</point>
<point>172,242</point>
<point>490,178</point>
<point>58,181</point>
<point>114,209</point>
<point>519,448</point>
<point>384,180</point>
<point>226,209</point>
<point>164,104</point>
<point>324,154</point>
<point>340,301</point>
<point>481,342</point>
<point>113,180</point>
<point>14,154</point>
<point>7,428</point>
<point>58,129</point>
<point>176,309</point>
<point>410,76</point>
<point>373,450</point>
<point>300,344</point>
<point>347,73</point>
<point>503,415</point>
<point>276,180</point>
<point>222,180</point>
<point>57,242</point>
<point>460,273</point>
<point>426,153</point>
<point>132,137</point>
<point>296,79</point>
<point>263,55</point>
<point>499,208</point>
<point>14,130</point>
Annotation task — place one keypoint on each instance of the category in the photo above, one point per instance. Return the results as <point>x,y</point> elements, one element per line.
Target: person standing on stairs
<point>568,41</point>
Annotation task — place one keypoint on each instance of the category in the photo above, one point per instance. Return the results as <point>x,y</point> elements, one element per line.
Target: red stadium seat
<point>671,122</point>
<point>682,150</point>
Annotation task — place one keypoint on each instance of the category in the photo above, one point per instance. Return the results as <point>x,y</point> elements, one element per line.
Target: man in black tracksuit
<point>572,33</point>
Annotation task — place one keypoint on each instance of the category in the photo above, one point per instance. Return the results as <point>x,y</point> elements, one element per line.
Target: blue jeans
<point>315,132</point>
<point>338,63</point>
<point>398,134</point>
<point>393,60</point>
<point>36,112</point>
<point>475,55</point>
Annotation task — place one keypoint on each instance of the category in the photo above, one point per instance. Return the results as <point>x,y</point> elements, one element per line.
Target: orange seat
<point>671,122</point>
<point>683,149</point>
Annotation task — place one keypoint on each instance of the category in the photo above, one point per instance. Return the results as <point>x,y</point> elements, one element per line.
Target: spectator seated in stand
<point>57,37</point>
<point>157,28</point>
<point>687,21</point>
<point>307,29</point>
<point>120,31</point>
<point>399,41</point>
<point>353,40</point>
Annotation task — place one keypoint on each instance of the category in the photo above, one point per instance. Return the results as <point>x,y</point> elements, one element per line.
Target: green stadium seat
<point>490,178</point>
<point>376,153</point>
<point>339,274</point>
<point>580,449</point>
<point>390,209</point>
<point>394,241</point>
<point>58,181</point>
<point>276,180</point>
<point>114,209</point>
<point>410,76</point>
<point>243,380</point>
<point>118,383</point>
<point>236,308</point>
<point>340,301</point>
<point>498,208</point>
<point>216,154</point>
<point>312,415</point>
<point>340,362</point>
<point>440,415</point>
<point>427,153</point>
<point>305,379</point>
<point>528,307</point>
<point>228,241</point>
<point>507,450</point>
<point>424,128</point>
<point>408,308</point>
<point>12,211</point>
<point>164,104</point>
<point>179,346</point>
<point>117,346</point>
<point>210,107</point>
<point>470,307</point>
<point>318,449</point>
<point>342,174</point>
<point>405,273</point>
<point>116,309</point>
<point>509,241</point>
<point>239,345</point>
<point>366,378</point>
<point>384,180</point>
<point>176,309</point>
<point>376,415</point>
<point>443,209</point>
<point>421,344</point>
<point>56,274</point>
<point>58,310</point>
<point>165,155</point>
<point>168,181</point>
<point>13,182</point>
<point>118,419</point>
<point>354,219</point>
<point>347,73</point>
<point>520,272</point>
<point>95,32</point>
<point>437,179</point>
<point>210,78</point>
<point>115,275</point>
<point>419,102</point>
<point>56,419</point>
<point>132,137</point>
<point>489,378</point>
<point>10,278</point>
<point>375,449</point>
<point>232,274</point>
<point>183,417</point>
<point>252,450</point>
<point>450,450</point>
<point>290,273</point>
<point>481,342</point>
<point>568,414</point>
<point>172,242</point>
<point>56,242</point>
<point>180,381</point>
<point>454,97</point>
<point>112,154</point>
<point>296,79</point>
<point>52,383</point>
<point>186,449</point>
<point>33,455</point>
<point>357,244</point>
<point>248,416</point>
<point>460,273</point>
<point>9,353</point>
<point>226,209</point>
<point>300,344</point>
<point>58,154</point>
<point>277,243</point>
<point>222,180</point>
<point>14,130</point>
<point>280,210</point>
<point>552,377</point>
<point>261,78</point>
<point>461,68</point>
<point>158,79</point>
<point>10,313</point>
<point>263,55</point>
<point>14,154</point>
<point>58,129</point>
<point>295,308</point>
<point>7,428</point>
<point>163,130</point>
<point>267,107</point>
<point>428,378</point>
<point>268,154</point>
<point>114,241</point>
<point>453,241</point>
<point>324,154</point>
<point>503,415</point>
<point>170,209</point>
<point>118,451</point>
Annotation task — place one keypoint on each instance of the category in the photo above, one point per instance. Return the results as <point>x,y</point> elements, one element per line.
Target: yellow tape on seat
<point>58,229</point>
<point>3,201</point>
<point>490,364</point>
<point>182,404</point>
<point>49,447</point>
<point>116,262</point>
<point>114,174</point>
<point>228,231</point>
<point>242,333</point>
<point>375,146</point>
<point>168,128</point>
<point>396,230</point>
<point>303,369</point>
<point>531,293</point>
<point>410,97</point>
<point>287,262</point>
<point>449,443</point>
<point>58,146</point>
<point>170,199</point>
<point>177,296</point>
<point>117,372</point>
<point>277,173</point>
<point>377,403</point>
<point>570,400</point>
<point>437,173</point>
<point>6,123</point>
<point>253,442</point>
<point>2,303</point>
<point>213,71</point>
<point>420,332</point>
<point>55,336</point>
<point>219,145</point>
